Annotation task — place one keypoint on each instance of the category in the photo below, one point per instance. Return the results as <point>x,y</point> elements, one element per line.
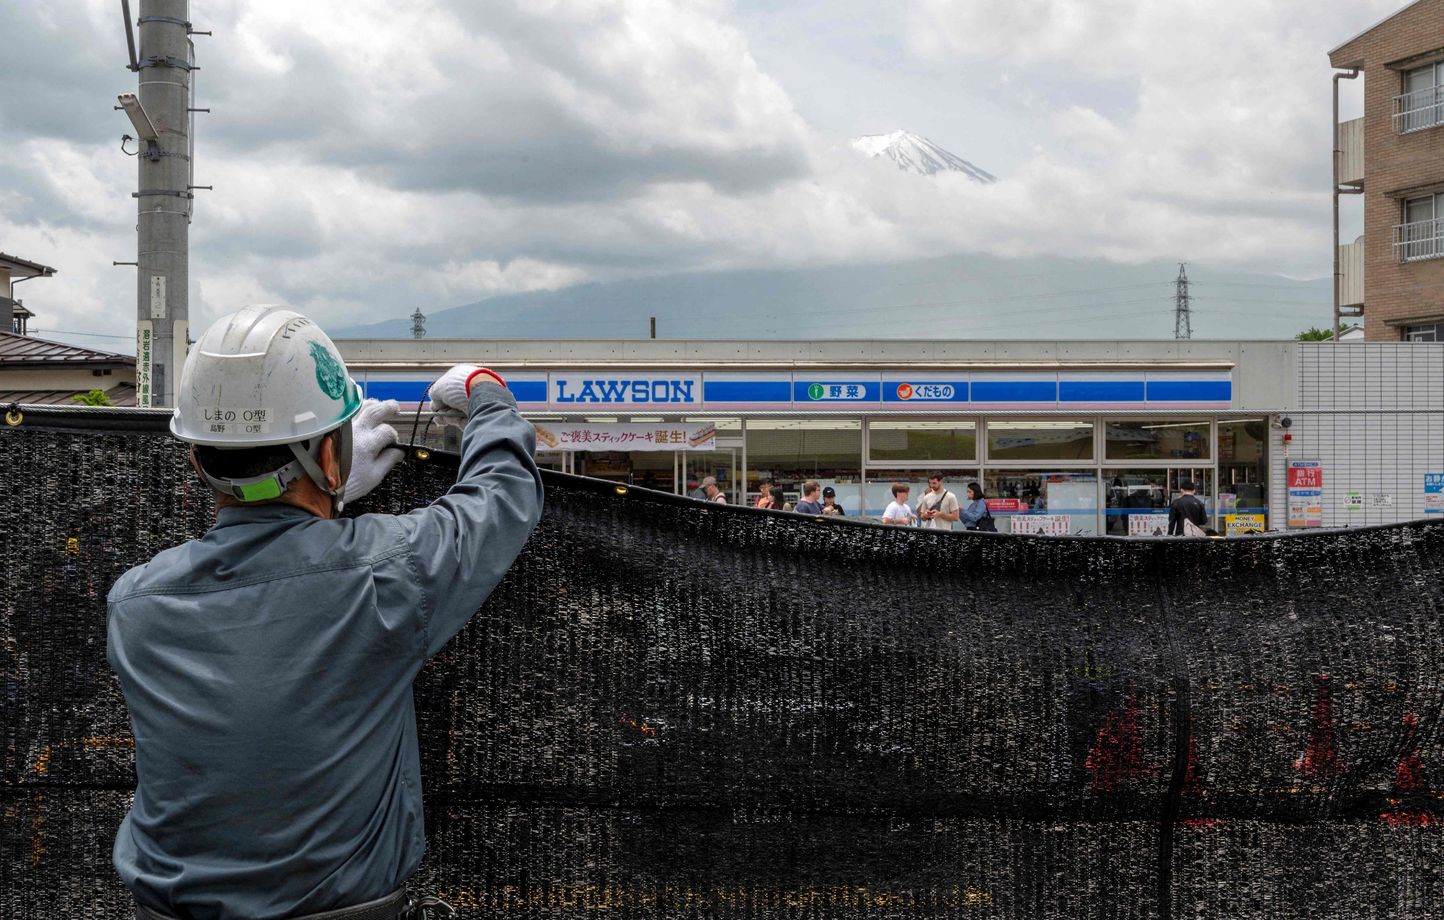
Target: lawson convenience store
<point>1082,438</point>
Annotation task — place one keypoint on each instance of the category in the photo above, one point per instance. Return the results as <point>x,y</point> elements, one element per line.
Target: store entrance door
<point>700,464</point>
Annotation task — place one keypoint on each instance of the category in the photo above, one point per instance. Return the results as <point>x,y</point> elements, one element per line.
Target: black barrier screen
<point>672,708</point>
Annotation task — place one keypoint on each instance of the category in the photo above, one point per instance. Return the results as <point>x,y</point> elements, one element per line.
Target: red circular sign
<point>904,391</point>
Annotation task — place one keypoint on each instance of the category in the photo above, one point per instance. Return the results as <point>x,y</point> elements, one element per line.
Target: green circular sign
<point>815,391</point>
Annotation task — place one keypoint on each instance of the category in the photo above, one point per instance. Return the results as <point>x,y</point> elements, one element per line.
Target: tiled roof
<point>28,351</point>
<point>1345,44</point>
<point>121,395</point>
<point>25,265</point>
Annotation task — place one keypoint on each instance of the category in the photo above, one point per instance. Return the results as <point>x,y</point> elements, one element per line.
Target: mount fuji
<point>916,154</point>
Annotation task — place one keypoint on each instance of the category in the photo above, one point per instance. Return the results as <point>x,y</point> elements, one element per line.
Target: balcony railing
<point>1423,239</point>
<point>1418,110</point>
<point>1351,152</point>
<point>1351,273</point>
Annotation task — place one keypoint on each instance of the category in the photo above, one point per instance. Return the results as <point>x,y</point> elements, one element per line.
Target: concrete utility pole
<point>1182,319</point>
<point>163,200</point>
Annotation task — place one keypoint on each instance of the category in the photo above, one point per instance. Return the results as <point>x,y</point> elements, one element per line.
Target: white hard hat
<point>262,376</point>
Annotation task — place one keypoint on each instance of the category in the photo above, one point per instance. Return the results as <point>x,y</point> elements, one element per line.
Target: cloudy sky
<point>370,157</point>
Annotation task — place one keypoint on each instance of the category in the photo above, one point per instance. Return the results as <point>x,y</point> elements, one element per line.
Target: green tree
<point>93,398</point>
<point>1313,334</point>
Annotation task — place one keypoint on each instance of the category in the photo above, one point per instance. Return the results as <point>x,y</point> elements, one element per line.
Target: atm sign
<point>925,391</point>
<point>1305,477</point>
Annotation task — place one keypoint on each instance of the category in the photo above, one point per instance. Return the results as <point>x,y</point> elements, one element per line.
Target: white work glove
<point>448,393</point>
<point>374,447</point>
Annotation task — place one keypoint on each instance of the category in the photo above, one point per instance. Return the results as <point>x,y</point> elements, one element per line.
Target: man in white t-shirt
<point>899,511</point>
<point>938,508</point>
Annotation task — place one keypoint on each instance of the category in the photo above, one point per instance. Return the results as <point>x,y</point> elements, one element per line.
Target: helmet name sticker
<point>229,420</point>
<point>329,372</point>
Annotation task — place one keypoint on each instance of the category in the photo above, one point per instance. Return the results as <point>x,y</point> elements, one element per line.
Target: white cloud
<point>371,157</point>
<point>1219,142</point>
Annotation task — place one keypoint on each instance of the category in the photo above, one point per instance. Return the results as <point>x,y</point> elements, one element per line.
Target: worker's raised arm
<point>463,543</point>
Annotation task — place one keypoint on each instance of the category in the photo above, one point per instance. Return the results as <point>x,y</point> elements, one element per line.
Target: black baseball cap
<point>828,492</point>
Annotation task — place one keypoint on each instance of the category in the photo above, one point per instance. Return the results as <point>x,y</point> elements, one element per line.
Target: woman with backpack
<point>976,515</point>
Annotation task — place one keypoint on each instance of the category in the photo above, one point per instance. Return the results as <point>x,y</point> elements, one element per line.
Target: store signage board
<point>1306,493</point>
<point>635,436</point>
<point>1148,525</point>
<point>1236,525</point>
<point>622,389</point>
<point>1047,525</point>
<point>1434,493</point>
<point>836,391</point>
<point>895,390</point>
<point>918,392</point>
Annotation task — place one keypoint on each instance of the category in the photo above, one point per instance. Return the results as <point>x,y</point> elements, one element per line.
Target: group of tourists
<point>815,499</point>
<point>938,508</point>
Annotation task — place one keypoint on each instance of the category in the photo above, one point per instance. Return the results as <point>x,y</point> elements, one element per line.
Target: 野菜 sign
<point>570,436</point>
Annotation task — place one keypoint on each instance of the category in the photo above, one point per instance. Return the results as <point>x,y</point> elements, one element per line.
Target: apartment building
<point>1393,276</point>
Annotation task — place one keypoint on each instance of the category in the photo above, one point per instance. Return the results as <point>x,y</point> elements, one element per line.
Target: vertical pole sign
<point>144,347</point>
<point>1306,493</point>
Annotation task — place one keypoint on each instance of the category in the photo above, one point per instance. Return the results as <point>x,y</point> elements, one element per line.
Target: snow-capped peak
<point>917,154</point>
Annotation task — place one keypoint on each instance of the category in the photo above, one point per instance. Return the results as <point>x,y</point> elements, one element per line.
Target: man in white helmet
<point>268,665</point>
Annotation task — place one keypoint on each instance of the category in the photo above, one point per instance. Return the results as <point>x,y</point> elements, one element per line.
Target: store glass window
<point>878,492</point>
<point>1136,500</point>
<point>1243,471</point>
<point>787,452</point>
<point>922,441</point>
<point>648,469</point>
<point>1157,440</point>
<point>1054,502</point>
<point>1040,440</point>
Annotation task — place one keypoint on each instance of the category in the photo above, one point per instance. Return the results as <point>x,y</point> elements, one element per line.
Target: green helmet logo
<point>329,373</point>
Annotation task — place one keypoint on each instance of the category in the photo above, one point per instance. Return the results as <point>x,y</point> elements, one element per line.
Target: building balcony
<point>1422,239</point>
<point>1419,110</point>
<point>1351,275</point>
<point>1351,147</point>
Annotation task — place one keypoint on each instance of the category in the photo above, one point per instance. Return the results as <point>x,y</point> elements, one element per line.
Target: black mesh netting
<point>672,708</point>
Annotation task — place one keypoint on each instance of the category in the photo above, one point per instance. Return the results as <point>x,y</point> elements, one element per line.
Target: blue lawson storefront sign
<point>653,391</point>
<point>890,391</point>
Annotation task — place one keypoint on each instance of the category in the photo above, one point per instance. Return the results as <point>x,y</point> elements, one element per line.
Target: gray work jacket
<point>267,667</point>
